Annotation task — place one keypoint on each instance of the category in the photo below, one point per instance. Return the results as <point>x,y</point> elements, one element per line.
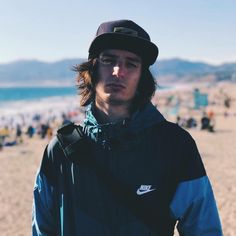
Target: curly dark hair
<point>87,80</point>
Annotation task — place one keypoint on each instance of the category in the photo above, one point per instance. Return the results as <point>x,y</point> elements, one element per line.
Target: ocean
<point>24,100</point>
<point>13,94</point>
<point>34,93</point>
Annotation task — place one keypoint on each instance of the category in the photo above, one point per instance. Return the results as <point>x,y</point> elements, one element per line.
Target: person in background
<point>19,137</point>
<point>4,132</point>
<point>132,172</point>
<point>30,131</point>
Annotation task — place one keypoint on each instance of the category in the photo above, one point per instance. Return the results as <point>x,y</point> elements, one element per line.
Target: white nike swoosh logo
<point>141,192</point>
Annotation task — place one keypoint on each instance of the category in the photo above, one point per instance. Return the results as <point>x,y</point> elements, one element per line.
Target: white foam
<point>22,112</point>
<point>54,104</point>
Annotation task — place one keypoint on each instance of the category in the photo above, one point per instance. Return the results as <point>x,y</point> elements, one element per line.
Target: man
<point>131,172</point>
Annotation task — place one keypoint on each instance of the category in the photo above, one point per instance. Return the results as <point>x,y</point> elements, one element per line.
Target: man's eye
<point>107,61</point>
<point>132,65</point>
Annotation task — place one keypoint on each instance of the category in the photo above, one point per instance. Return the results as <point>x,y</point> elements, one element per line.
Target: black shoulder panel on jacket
<point>181,144</point>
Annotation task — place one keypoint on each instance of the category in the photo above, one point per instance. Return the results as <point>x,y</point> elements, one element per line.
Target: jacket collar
<point>141,119</point>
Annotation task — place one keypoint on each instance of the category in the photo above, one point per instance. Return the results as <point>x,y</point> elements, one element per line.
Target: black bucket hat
<point>124,35</point>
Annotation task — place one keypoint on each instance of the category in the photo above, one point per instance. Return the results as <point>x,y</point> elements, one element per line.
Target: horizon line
<point>158,59</point>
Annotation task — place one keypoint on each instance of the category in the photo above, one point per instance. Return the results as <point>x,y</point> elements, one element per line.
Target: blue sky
<point>50,30</point>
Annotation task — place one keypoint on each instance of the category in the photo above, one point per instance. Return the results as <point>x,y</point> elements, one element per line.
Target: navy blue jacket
<point>157,176</point>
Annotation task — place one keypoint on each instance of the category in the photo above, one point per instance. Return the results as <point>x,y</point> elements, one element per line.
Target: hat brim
<point>147,50</point>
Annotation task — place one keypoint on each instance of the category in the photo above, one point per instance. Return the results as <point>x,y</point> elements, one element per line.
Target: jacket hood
<point>140,120</point>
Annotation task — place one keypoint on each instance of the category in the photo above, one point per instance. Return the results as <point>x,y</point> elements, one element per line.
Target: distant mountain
<point>183,67</point>
<point>173,70</point>
<point>33,72</point>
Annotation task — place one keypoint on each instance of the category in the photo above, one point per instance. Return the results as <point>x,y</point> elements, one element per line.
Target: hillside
<point>178,70</point>
<point>33,72</point>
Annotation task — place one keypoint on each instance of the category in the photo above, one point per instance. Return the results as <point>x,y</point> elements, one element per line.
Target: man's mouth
<point>115,86</point>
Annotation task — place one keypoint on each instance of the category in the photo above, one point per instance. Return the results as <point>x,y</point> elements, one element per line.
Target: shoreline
<point>34,105</point>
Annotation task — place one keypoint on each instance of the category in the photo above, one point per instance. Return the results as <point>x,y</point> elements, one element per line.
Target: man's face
<point>119,73</point>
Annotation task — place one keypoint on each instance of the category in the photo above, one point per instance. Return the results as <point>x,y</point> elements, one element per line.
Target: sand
<point>18,165</point>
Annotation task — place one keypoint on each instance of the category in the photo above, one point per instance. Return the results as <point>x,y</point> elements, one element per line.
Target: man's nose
<point>118,71</point>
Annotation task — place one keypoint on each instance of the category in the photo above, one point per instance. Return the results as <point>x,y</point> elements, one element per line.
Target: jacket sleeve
<point>43,223</point>
<point>193,204</point>
<point>195,209</point>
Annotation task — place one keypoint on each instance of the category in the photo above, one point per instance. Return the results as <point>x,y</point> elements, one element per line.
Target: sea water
<point>17,100</point>
<point>34,93</point>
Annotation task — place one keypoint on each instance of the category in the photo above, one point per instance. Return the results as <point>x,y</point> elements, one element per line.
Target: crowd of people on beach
<point>196,112</point>
<point>207,122</point>
<point>15,129</point>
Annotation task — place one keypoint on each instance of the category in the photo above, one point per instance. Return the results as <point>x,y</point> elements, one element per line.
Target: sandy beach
<point>19,163</point>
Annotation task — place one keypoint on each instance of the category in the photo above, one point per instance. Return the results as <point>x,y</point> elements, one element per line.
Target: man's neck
<point>110,113</point>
